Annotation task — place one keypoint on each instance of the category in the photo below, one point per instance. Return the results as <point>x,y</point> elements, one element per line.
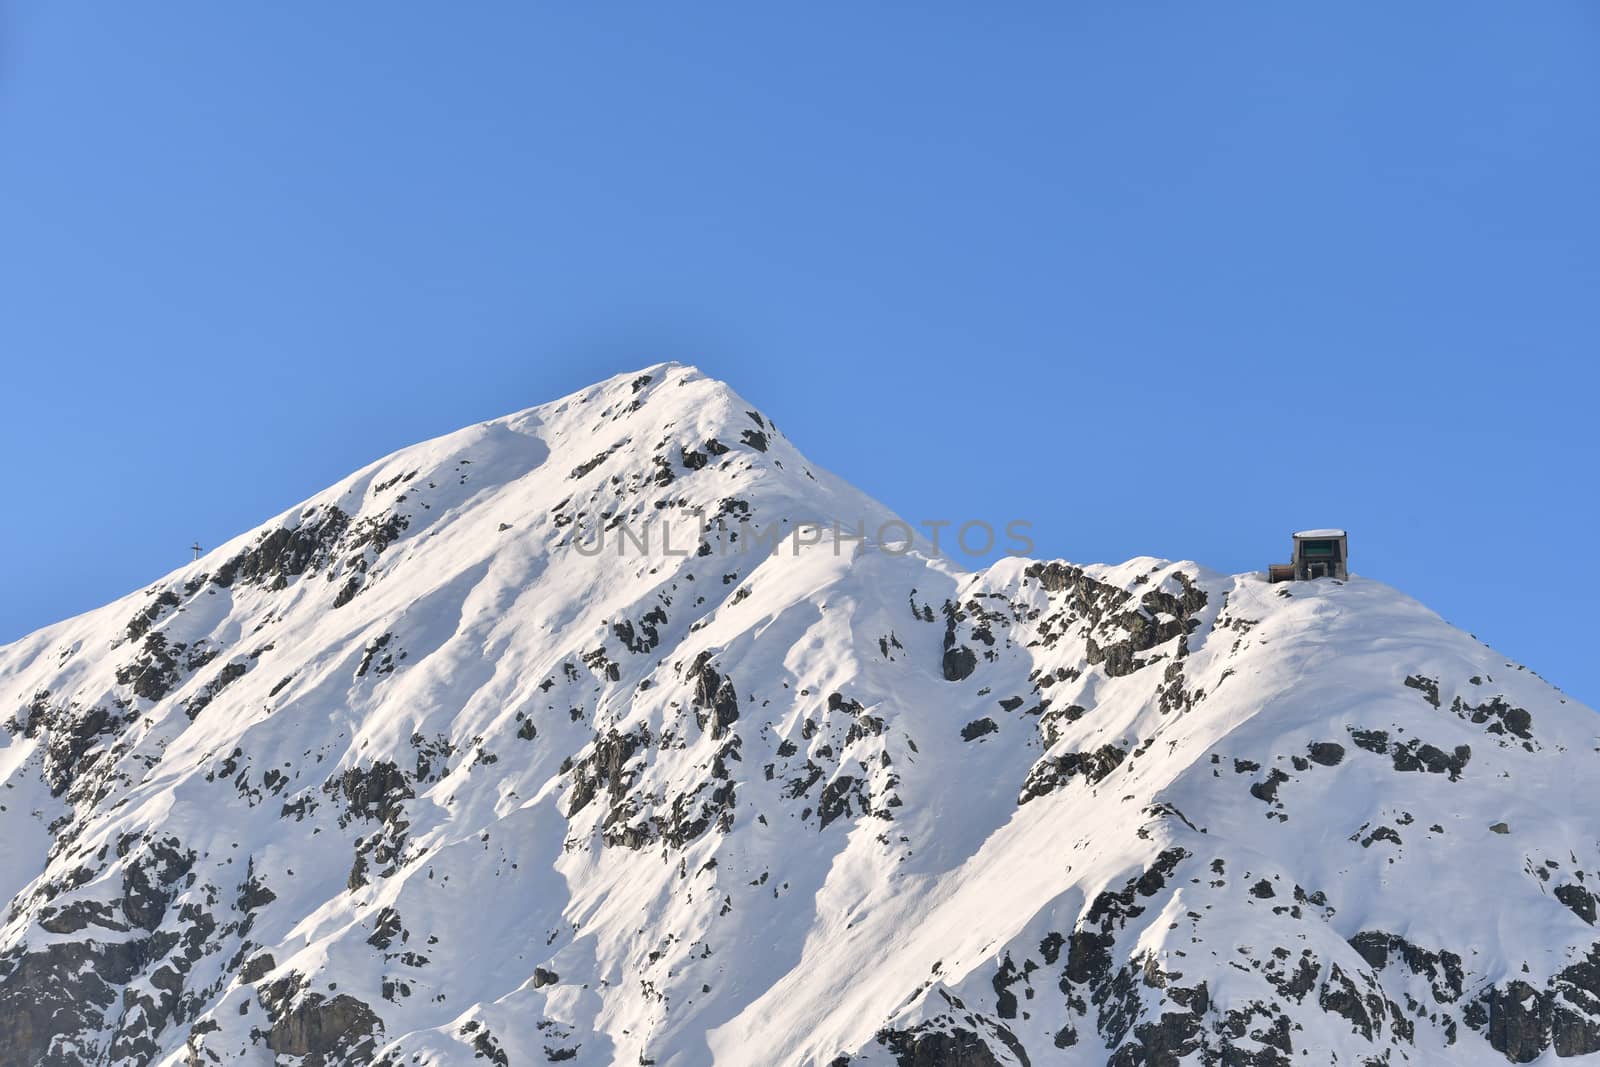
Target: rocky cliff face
<point>413,774</point>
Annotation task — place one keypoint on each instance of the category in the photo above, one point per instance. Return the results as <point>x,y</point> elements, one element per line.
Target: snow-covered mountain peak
<point>628,436</point>
<point>550,740</point>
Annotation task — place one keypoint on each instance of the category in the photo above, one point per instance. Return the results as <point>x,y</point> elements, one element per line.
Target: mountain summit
<point>614,732</point>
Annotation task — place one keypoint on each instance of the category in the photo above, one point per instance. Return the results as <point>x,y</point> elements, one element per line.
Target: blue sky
<point>1160,278</point>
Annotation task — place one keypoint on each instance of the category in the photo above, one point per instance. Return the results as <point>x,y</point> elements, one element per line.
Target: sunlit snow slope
<point>412,775</point>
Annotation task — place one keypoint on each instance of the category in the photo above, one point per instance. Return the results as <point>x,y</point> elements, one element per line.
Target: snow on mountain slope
<point>413,775</point>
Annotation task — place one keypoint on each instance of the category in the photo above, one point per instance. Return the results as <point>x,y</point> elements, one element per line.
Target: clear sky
<point>1164,278</point>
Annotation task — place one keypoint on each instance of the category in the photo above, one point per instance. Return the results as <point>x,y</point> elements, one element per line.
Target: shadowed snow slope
<point>426,771</point>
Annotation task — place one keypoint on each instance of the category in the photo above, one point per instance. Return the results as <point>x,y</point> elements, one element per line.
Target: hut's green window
<point>1317,549</point>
